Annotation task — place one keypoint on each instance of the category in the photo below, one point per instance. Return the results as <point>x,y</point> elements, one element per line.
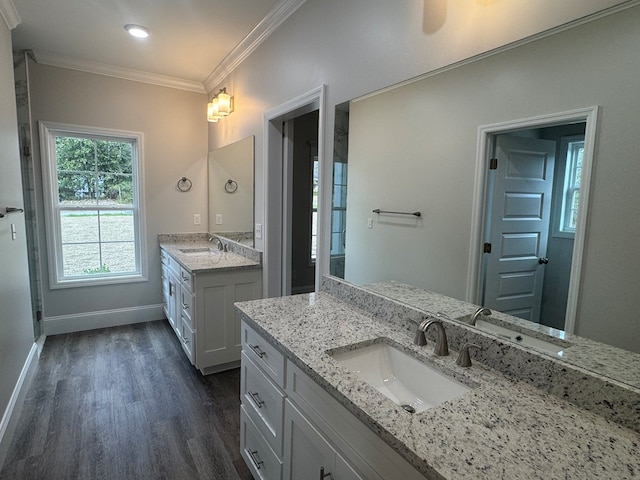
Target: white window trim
<point>48,130</point>
<point>559,199</point>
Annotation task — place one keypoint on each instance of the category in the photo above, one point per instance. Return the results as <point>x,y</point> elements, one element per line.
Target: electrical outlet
<point>258,230</point>
<point>218,219</point>
<point>369,223</point>
<point>196,219</point>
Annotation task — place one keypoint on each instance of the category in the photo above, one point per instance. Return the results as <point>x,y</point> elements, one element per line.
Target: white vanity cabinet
<point>199,307</point>
<point>292,429</point>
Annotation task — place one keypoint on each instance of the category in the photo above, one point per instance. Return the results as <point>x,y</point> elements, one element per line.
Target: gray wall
<point>425,160</point>
<point>16,330</point>
<point>175,145</point>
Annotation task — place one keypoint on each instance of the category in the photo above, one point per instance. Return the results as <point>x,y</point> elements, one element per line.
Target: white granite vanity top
<point>499,430</point>
<point>207,262</point>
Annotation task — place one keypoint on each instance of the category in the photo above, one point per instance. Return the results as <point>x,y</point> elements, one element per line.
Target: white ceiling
<point>188,43</point>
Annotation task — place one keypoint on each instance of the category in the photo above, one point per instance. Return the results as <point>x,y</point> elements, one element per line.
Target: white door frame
<point>276,243</point>
<point>588,115</point>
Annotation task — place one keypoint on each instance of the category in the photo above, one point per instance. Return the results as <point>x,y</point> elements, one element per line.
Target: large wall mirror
<point>231,185</point>
<point>415,148</point>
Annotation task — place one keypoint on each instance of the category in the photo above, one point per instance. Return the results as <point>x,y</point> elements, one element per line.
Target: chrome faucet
<point>441,349</point>
<point>219,242</point>
<point>478,312</point>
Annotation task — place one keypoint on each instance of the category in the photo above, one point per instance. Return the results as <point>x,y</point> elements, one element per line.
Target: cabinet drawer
<point>264,402</point>
<point>174,266</point>
<point>352,438</point>
<point>260,459</point>
<point>185,278</point>
<point>186,304</point>
<point>187,339</point>
<point>164,257</point>
<point>165,277</point>
<point>263,354</point>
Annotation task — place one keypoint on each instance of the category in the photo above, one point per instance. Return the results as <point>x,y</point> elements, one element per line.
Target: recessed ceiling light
<point>137,31</point>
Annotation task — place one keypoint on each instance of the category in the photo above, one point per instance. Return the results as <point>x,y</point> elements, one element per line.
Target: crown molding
<point>54,60</point>
<point>278,14</point>
<point>9,14</point>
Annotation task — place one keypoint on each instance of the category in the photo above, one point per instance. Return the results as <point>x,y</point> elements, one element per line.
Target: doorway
<point>301,231</point>
<point>529,218</point>
<point>279,128</point>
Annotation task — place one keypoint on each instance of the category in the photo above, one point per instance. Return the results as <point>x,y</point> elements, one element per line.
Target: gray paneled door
<point>518,225</point>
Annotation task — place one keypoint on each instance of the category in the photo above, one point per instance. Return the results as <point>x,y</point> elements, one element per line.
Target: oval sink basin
<point>199,251</point>
<point>402,378</point>
<point>522,338</point>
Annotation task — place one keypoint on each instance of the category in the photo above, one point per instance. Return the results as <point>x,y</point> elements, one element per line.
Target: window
<point>574,147</point>
<point>314,209</point>
<point>339,208</point>
<point>92,186</point>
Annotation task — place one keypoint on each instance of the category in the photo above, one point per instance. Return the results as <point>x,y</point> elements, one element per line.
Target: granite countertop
<point>501,429</point>
<point>209,260</point>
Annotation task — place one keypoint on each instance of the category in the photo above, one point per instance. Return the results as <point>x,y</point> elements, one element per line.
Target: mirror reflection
<point>427,159</point>
<point>231,185</point>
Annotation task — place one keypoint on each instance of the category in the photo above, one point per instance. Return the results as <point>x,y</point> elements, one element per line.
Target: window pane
<point>76,188</point>
<point>119,257</point>
<point>79,227</point>
<point>80,259</point>
<point>76,154</point>
<point>115,189</point>
<point>114,157</point>
<point>117,226</point>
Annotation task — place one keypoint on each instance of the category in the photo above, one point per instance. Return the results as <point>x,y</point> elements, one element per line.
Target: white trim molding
<point>9,14</point>
<point>14,407</point>
<point>55,60</point>
<point>278,14</point>
<point>101,319</point>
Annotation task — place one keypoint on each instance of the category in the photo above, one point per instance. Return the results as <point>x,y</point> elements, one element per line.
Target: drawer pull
<point>256,399</point>
<point>325,475</point>
<point>254,458</point>
<point>172,289</point>
<point>185,306</point>
<point>185,277</point>
<point>257,350</point>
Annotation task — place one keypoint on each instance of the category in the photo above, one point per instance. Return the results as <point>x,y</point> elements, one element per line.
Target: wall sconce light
<point>220,106</point>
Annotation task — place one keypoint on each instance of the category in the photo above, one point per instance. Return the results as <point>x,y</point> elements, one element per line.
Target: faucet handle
<point>464,359</point>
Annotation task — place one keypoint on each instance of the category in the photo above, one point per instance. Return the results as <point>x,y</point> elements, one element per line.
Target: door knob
<point>543,260</point>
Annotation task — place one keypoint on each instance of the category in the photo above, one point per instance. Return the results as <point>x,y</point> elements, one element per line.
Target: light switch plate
<point>258,232</point>
<point>196,219</point>
<point>218,219</point>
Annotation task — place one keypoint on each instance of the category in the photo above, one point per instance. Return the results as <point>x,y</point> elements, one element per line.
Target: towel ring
<point>231,186</point>
<point>184,184</point>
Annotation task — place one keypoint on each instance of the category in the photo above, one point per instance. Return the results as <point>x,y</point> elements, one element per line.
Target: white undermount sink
<point>200,251</point>
<point>521,338</point>
<point>405,380</point>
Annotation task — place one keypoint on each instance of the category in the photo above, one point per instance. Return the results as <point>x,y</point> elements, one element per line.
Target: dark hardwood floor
<point>124,403</point>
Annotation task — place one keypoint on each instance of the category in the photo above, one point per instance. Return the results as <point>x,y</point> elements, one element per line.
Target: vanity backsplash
<point>612,398</point>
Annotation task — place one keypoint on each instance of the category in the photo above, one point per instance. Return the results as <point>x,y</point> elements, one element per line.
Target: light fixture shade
<point>213,114</point>
<point>137,31</point>
<point>224,104</point>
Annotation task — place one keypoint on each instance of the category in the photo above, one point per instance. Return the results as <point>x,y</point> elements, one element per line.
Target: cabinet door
<point>309,455</point>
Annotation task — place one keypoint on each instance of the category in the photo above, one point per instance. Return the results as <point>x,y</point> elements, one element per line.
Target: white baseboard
<point>12,412</point>
<point>101,319</point>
